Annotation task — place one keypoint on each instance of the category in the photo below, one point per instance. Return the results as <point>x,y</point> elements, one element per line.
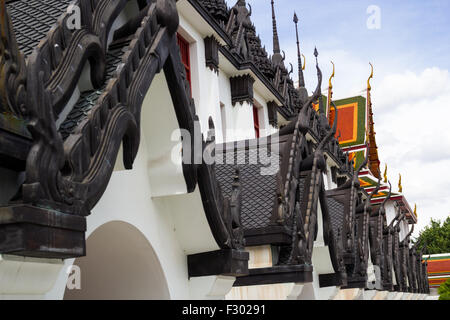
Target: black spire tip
<point>295,18</point>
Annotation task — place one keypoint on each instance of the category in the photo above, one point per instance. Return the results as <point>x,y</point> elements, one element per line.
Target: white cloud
<point>411,115</point>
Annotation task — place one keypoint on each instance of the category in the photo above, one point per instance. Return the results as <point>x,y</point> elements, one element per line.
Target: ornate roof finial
<point>374,164</point>
<point>304,62</point>
<point>385,173</point>
<point>330,93</point>
<point>301,79</point>
<point>415,209</point>
<point>330,85</point>
<point>370,77</point>
<point>400,188</point>
<point>277,58</point>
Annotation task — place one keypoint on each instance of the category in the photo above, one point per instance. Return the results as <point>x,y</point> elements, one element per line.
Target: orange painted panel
<point>347,122</point>
<point>439,266</point>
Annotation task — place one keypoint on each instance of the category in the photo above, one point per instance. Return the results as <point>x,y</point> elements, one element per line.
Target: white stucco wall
<point>390,212</point>
<point>210,89</point>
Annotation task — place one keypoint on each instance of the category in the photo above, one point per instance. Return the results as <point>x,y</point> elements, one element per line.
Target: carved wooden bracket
<point>242,89</point>
<point>212,53</point>
<point>272,109</point>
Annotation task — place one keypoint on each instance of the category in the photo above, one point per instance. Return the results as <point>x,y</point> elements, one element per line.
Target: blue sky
<point>411,87</point>
<point>413,35</point>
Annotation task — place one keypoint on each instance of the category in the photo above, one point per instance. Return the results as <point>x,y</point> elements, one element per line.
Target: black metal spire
<point>277,58</point>
<point>301,79</point>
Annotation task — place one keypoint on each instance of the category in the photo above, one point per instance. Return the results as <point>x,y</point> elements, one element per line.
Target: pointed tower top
<point>370,77</point>
<point>374,164</point>
<point>277,58</point>
<point>330,85</point>
<point>328,114</point>
<point>301,79</point>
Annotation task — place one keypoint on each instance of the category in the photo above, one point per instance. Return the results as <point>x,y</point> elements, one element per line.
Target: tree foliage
<point>444,290</point>
<point>436,236</point>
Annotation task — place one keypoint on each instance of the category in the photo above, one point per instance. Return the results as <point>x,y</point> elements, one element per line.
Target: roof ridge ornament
<point>330,85</point>
<point>12,68</point>
<point>368,102</point>
<point>389,194</point>
<point>369,87</point>
<point>385,173</point>
<point>400,187</point>
<point>277,58</point>
<point>276,41</point>
<point>330,94</point>
<point>301,79</point>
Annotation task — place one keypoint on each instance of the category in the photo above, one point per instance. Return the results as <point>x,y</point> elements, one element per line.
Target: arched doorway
<point>120,264</point>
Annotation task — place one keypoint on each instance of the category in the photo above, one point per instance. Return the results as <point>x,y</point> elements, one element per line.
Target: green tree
<point>436,236</point>
<point>444,291</point>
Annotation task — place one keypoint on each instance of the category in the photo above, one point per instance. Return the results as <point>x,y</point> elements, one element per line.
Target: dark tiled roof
<point>79,112</point>
<point>88,99</point>
<point>255,52</point>
<point>258,191</point>
<point>32,20</point>
<point>217,8</point>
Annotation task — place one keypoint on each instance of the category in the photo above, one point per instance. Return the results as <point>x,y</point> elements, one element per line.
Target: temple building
<point>153,149</point>
<point>438,270</point>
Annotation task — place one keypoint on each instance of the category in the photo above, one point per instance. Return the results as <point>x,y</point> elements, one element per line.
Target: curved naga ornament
<point>71,177</point>
<point>350,216</point>
<point>389,242</point>
<point>406,263</point>
<point>12,69</point>
<point>303,224</point>
<point>397,255</point>
<point>223,214</point>
<point>319,165</point>
<point>363,241</point>
<point>379,246</point>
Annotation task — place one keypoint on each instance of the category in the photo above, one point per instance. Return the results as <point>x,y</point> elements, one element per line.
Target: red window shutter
<point>256,121</point>
<point>185,57</point>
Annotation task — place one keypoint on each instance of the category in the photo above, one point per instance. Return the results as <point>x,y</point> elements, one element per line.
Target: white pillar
<point>27,278</point>
<point>243,121</point>
<point>210,288</point>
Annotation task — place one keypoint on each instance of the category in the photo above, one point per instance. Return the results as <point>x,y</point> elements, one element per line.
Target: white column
<point>210,288</point>
<point>242,118</point>
<point>27,278</point>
